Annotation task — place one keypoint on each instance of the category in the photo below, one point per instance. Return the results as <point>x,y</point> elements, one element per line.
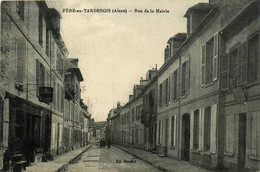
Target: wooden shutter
<point>172,87</point>
<point>163,92</point>
<point>37,76</point>
<point>169,89</point>
<point>54,93</point>
<point>215,58</point>
<point>239,66</point>
<point>178,83</point>
<point>187,77</point>
<point>201,129</point>
<point>20,59</point>
<point>254,134</point>
<point>62,99</point>
<point>213,129</point>
<point>229,145</point>
<point>244,62</point>
<point>203,65</point>
<point>191,128</point>
<point>225,77</point>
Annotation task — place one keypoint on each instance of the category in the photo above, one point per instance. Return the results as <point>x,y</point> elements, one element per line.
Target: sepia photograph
<point>129,85</point>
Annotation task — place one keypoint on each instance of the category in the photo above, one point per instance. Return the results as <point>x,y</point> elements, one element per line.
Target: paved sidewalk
<point>162,163</point>
<point>58,162</point>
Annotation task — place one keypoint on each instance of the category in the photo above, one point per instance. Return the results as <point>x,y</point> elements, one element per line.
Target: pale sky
<point>116,49</point>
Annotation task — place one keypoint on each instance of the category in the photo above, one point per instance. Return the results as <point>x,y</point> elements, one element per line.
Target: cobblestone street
<point>112,160</point>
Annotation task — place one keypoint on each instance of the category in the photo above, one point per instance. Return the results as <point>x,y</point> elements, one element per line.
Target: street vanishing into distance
<point>109,159</point>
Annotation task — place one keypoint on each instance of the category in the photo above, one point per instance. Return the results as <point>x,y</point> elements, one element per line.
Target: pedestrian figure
<point>100,143</point>
<point>108,143</point>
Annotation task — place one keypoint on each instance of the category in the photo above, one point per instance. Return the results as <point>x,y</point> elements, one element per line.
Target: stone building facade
<point>32,63</point>
<point>207,88</point>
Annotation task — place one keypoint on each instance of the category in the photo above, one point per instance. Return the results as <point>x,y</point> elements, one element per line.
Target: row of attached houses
<point>202,104</point>
<point>41,112</point>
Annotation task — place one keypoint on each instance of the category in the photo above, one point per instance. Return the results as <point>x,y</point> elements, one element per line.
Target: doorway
<point>242,141</point>
<point>186,137</point>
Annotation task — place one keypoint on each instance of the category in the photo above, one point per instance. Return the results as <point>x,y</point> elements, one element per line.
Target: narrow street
<point>112,160</point>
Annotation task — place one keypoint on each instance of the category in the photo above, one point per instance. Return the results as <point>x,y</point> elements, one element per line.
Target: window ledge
<point>251,83</point>
<point>175,100</point>
<point>228,153</point>
<point>254,158</point>
<point>185,95</point>
<point>209,84</point>
<point>196,150</point>
<point>206,152</point>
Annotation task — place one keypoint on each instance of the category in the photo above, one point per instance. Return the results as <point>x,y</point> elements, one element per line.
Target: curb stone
<point>157,167</point>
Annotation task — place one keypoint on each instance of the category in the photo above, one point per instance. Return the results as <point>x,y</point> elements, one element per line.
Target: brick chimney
<point>175,42</point>
<point>131,97</point>
<point>214,1</point>
<point>74,61</point>
<point>166,53</point>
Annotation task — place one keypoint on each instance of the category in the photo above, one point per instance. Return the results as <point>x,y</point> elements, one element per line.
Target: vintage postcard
<point>129,85</point>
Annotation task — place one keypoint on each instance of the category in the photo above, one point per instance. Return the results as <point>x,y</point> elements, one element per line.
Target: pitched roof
<point>200,7</point>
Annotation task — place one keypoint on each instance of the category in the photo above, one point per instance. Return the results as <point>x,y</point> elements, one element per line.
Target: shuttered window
<point>163,93</point>
<point>209,58</point>
<point>166,91</point>
<point>215,58</point>
<point>207,128</point>
<point>174,85</point>
<point>244,59</point>
<point>47,41</point>
<point>185,78</point>
<point>20,59</point>
<point>40,28</point>
<point>41,79</point>
<point>209,65</point>
<point>255,134</point>
<point>178,83</point>
<point>173,130</point>
<point>54,93</point>
<point>213,129</point>
<point>169,89</point>
<point>233,56</point>
<point>253,59</point>
<point>203,65</point>
<point>196,130</point>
